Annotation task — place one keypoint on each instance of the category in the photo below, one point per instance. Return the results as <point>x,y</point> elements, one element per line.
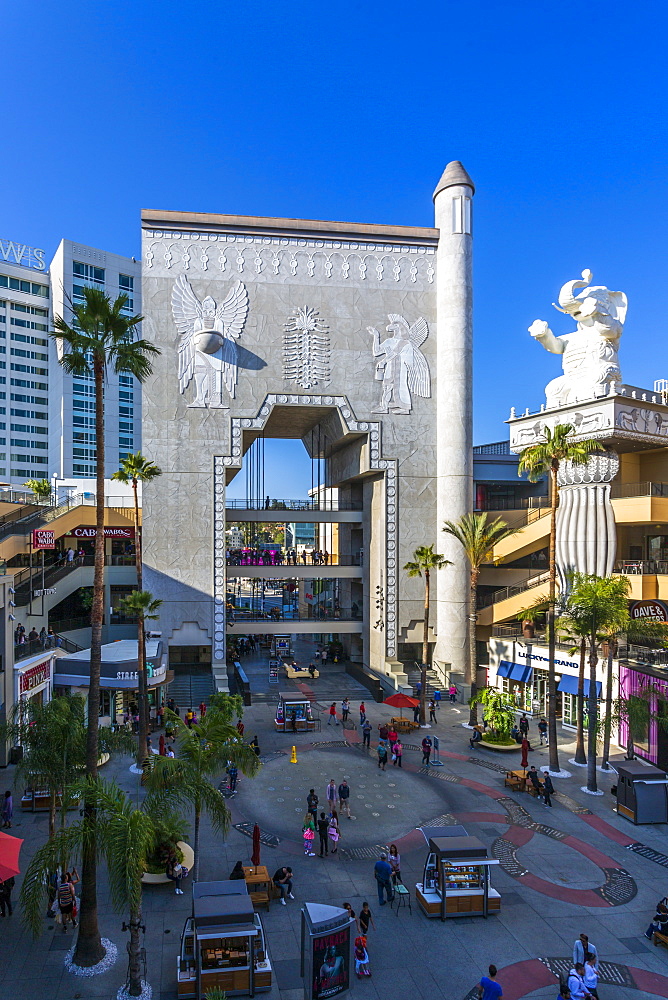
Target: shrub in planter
<point>169,830</point>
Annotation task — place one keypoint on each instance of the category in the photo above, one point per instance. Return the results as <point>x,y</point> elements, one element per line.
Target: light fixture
<point>11,590</point>
<point>12,604</point>
<point>12,618</point>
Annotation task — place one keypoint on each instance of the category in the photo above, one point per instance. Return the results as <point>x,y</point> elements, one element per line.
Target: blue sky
<point>351,111</point>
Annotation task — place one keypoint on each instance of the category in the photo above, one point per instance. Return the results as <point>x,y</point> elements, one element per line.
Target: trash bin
<point>16,755</point>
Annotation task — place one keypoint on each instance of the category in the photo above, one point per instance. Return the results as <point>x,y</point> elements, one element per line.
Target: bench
<point>300,673</point>
<point>514,781</point>
<point>260,899</point>
<point>660,938</point>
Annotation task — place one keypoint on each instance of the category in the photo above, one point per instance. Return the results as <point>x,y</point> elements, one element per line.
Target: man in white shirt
<point>582,948</point>
<point>576,982</point>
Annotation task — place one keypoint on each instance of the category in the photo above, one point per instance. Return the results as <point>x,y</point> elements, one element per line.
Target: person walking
<point>383,875</point>
<point>426,750</point>
<point>362,713</point>
<point>524,725</point>
<point>581,948</point>
<point>452,692</point>
<point>308,834</point>
<point>576,984</point>
<point>333,831</point>
<point>345,710</point>
<point>382,755</point>
<point>432,711</point>
<point>548,789</point>
<point>392,736</point>
<point>398,752</point>
<point>323,827</point>
<point>366,733</point>
<point>366,918</point>
<point>344,798</point>
<point>361,957</point>
<point>6,896</point>
<point>416,714</point>
<point>488,988</point>
<point>7,810</point>
<point>66,901</point>
<point>312,803</point>
<point>384,731</point>
<point>233,775</point>
<point>591,976</point>
<point>283,881</point>
<point>351,914</point>
<point>330,796</point>
<point>542,729</point>
<point>332,715</point>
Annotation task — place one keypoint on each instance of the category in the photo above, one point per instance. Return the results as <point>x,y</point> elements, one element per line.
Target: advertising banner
<point>43,539</point>
<point>330,964</point>
<point>651,611</point>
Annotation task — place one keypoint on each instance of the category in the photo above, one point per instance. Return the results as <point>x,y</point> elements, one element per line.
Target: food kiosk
<point>642,792</point>
<point>455,881</point>
<point>222,944</point>
<point>293,705</point>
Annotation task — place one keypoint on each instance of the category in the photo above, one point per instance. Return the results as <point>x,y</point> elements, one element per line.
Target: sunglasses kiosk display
<point>456,881</point>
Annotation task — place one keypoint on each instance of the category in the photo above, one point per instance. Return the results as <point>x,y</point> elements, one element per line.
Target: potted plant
<point>170,841</point>
<point>499,716</point>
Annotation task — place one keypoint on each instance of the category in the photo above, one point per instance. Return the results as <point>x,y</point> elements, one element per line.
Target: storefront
<point>33,679</point>
<point>118,676</point>
<point>649,685</point>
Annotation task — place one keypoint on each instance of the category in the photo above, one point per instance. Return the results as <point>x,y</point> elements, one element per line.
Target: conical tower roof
<point>454,174</point>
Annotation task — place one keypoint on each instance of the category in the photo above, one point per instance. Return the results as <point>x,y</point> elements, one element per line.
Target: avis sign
<point>42,539</point>
<point>21,253</point>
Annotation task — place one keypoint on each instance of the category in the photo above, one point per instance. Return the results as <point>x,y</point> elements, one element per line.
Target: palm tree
<point>142,606</point>
<point>203,752</point>
<point>539,460</point>
<point>424,561</point>
<point>99,336</point>
<point>477,536</point>
<point>40,487</point>
<point>124,837</point>
<point>135,469</point>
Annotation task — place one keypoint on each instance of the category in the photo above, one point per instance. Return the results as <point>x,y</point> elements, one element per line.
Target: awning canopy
<point>515,671</point>
<point>569,685</point>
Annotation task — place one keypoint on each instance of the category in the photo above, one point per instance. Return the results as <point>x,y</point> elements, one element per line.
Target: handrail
<point>241,615</point>
<point>252,561</point>
<point>639,567</point>
<point>486,600</point>
<point>625,491</point>
<point>271,504</point>
<point>32,647</point>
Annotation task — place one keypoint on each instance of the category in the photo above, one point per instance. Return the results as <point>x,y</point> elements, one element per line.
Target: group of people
<point>47,639</point>
<point>583,976</point>
<point>389,744</point>
<point>545,790</point>
<point>276,557</point>
<point>326,821</point>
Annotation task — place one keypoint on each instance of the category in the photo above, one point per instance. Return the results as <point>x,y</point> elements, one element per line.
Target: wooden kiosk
<point>456,880</point>
<point>292,704</point>
<point>222,944</point>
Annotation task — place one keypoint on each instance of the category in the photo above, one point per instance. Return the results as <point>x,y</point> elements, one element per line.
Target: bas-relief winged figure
<point>402,367</point>
<point>590,358</point>
<point>207,348</point>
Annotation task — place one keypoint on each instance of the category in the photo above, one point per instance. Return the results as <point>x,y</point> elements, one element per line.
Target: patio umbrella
<point>255,857</point>
<point>9,856</point>
<point>525,752</point>
<point>401,701</point>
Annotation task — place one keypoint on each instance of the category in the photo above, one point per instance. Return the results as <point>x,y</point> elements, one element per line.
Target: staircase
<point>415,675</point>
<point>189,690</point>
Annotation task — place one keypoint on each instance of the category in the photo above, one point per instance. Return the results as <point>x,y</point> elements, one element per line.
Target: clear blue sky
<point>350,111</point>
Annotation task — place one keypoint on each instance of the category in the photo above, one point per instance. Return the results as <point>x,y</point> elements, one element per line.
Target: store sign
<point>85,532</point>
<point>131,675</point>
<point>44,593</point>
<point>22,254</point>
<point>523,654</point>
<point>35,676</point>
<point>330,975</point>
<point>43,539</point>
<point>648,611</point>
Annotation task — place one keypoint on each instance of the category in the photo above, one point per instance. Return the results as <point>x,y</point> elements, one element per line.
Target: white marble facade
<point>264,325</point>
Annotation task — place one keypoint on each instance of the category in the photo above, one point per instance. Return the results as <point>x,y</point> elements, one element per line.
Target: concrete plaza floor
<point>575,867</point>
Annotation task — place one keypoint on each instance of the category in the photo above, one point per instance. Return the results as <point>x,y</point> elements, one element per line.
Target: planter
<point>528,630</point>
<point>500,747</point>
<point>188,860</point>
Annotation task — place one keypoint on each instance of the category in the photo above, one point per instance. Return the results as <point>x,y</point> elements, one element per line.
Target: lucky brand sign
<point>43,539</point>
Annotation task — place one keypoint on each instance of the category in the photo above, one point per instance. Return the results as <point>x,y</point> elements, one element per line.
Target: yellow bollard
<point>293,758</point>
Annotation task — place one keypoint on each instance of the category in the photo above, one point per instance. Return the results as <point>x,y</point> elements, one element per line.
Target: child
<point>366,919</point>
<point>308,833</point>
<point>361,958</point>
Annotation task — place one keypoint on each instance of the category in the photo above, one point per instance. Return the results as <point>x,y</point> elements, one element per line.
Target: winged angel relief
<point>207,348</point>
<point>402,367</point>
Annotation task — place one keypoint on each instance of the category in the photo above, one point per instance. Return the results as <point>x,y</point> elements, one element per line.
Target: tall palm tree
<point>125,836</point>
<point>540,460</point>
<point>135,469</point>
<point>477,536</point>
<point>203,752</point>
<point>100,336</point>
<point>140,604</point>
<point>425,560</point>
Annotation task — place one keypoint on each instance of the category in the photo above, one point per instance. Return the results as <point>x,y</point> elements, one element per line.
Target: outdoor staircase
<point>189,690</point>
<point>415,675</point>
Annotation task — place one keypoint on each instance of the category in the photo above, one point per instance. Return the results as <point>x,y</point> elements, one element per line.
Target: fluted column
<point>586,532</point>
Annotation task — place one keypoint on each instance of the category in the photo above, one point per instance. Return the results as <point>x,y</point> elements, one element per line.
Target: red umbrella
<point>255,857</point>
<point>9,856</point>
<point>400,701</point>
<point>525,752</point>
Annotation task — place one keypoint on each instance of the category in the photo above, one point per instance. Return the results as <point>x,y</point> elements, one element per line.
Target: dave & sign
<point>649,611</point>
<point>43,539</point>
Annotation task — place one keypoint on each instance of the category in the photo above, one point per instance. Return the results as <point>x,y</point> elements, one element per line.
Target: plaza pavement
<point>564,870</point>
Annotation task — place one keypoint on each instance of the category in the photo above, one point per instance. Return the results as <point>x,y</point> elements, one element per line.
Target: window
<point>19,398</point>
<point>82,437</point>
<point>29,324</point>
<point>84,453</point>
<point>84,470</point>
<point>128,396</point>
<point>81,421</point>
<point>24,286</point>
<point>125,443</point>
<point>123,425</point>
<point>83,404</point>
<point>88,271</point>
<point>126,282</point>
<point>126,411</point>
<point>19,307</point>
<point>125,380</point>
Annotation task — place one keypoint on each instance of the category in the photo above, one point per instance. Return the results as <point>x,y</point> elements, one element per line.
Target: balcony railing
<point>620,491</point>
<point>486,600</point>
<point>639,567</point>
<point>33,647</point>
<point>288,505</point>
<point>239,615</point>
<point>251,560</point>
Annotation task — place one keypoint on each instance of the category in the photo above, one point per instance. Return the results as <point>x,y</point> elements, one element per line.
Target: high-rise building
<point>47,417</point>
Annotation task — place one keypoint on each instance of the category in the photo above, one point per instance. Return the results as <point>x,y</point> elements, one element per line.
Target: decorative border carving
<point>388,466</point>
<point>291,257</point>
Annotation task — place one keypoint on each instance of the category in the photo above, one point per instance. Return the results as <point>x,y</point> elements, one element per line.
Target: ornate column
<point>586,534</point>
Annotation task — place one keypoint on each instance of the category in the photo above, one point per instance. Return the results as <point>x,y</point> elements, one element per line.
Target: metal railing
<point>269,504</point>
<point>33,647</point>
<point>486,600</point>
<point>240,615</point>
<point>56,570</point>
<point>621,491</point>
<point>38,514</point>
<point>280,559</point>
<point>495,448</point>
<point>638,567</point>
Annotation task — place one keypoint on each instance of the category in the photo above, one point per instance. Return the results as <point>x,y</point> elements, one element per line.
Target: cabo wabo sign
<point>87,532</point>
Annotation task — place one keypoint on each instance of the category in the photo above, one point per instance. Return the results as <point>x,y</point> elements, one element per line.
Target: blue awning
<point>569,685</point>
<point>515,671</point>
